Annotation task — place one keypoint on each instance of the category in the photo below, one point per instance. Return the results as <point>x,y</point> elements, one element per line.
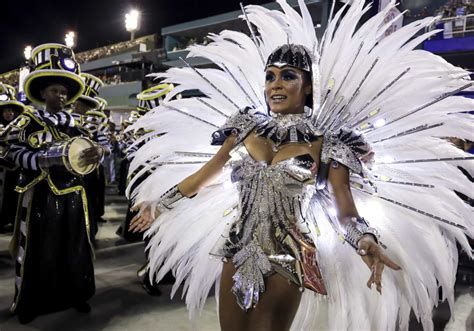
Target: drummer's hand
<point>91,155</point>
<point>142,221</point>
<point>375,259</point>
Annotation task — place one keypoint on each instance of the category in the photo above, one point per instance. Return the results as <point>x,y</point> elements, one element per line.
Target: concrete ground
<point>121,304</point>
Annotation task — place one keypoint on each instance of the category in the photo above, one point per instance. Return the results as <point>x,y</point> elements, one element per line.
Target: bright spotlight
<point>132,22</point>
<point>70,39</point>
<point>27,52</point>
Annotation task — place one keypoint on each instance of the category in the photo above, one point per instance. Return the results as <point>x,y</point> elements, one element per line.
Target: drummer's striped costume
<point>51,243</point>
<point>19,151</point>
<point>95,125</point>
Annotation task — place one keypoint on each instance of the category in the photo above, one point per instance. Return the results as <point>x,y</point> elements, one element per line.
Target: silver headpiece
<point>292,55</point>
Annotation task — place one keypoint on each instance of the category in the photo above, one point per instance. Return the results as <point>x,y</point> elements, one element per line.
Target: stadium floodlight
<point>27,52</point>
<point>132,22</point>
<point>70,39</point>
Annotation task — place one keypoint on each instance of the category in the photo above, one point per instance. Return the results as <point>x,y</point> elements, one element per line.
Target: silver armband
<point>357,228</point>
<point>168,198</point>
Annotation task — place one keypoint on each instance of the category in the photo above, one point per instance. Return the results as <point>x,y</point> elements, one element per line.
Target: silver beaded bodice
<point>273,198</point>
<point>279,191</point>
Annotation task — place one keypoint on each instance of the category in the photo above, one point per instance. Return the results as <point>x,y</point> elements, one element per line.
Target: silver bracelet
<point>356,229</point>
<point>168,198</point>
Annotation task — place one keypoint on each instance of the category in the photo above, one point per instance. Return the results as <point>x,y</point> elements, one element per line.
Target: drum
<point>68,153</point>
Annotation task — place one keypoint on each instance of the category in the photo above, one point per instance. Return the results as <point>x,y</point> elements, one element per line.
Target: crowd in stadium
<point>455,8</point>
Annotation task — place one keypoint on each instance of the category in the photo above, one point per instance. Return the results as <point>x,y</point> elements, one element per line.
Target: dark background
<point>96,23</point>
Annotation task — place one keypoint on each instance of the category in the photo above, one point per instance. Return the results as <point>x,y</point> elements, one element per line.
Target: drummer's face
<point>8,114</point>
<point>55,96</point>
<point>81,107</point>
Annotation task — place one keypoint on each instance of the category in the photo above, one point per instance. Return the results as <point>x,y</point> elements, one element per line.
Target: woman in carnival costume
<point>335,124</point>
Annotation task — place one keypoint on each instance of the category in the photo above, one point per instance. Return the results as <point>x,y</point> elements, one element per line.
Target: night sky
<point>97,23</point>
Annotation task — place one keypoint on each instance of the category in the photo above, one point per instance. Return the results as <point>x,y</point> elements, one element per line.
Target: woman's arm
<point>341,191</point>
<point>368,248</point>
<point>191,185</point>
<point>188,187</point>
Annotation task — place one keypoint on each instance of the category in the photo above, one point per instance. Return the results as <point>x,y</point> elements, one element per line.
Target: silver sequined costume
<point>274,199</point>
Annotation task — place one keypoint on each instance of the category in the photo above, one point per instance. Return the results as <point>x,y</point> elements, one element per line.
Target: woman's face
<point>286,89</point>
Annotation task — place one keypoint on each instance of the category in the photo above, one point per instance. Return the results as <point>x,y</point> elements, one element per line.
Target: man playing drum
<point>51,242</point>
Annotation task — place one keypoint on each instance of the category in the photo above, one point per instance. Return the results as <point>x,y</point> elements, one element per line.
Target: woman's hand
<point>144,219</point>
<point>375,259</point>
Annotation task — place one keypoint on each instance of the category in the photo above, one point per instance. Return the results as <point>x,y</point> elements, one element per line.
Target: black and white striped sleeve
<point>61,118</point>
<point>103,141</point>
<point>24,157</point>
<point>10,134</point>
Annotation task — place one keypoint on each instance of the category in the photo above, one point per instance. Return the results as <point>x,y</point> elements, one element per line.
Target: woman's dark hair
<point>309,98</point>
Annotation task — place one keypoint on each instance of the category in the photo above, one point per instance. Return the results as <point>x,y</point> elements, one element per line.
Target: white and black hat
<point>53,63</point>
<point>99,111</point>
<point>91,92</point>
<point>150,98</point>
<point>102,103</point>
<point>8,98</point>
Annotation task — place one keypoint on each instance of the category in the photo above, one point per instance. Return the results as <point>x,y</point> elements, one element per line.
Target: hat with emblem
<point>8,98</point>
<point>53,64</point>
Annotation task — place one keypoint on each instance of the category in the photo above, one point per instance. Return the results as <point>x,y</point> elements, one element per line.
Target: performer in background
<point>110,160</point>
<point>147,100</point>
<point>125,139</point>
<point>10,109</point>
<point>89,115</point>
<point>51,243</point>
<point>99,123</point>
<point>326,175</point>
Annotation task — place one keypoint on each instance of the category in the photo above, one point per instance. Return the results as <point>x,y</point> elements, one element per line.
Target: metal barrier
<point>454,27</point>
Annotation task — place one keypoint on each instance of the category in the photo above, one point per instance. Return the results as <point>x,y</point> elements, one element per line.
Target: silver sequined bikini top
<point>344,146</point>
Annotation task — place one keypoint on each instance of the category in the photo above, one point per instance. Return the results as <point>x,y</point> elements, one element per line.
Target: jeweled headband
<point>290,55</point>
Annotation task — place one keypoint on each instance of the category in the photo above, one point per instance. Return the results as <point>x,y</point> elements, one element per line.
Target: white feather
<point>356,63</point>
